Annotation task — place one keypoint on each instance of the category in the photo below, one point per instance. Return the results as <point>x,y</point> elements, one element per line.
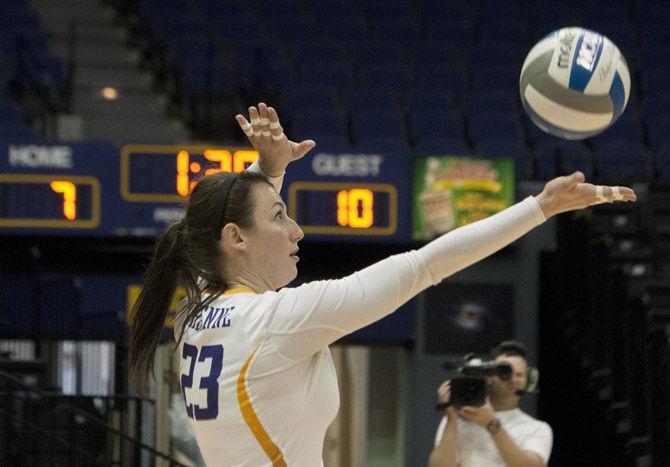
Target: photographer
<point>497,433</point>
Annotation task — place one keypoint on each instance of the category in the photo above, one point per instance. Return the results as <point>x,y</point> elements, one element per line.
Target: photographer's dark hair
<point>511,348</point>
<point>187,255</point>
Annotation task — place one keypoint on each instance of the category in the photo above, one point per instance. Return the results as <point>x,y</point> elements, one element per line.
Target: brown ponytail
<point>150,309</point>
<point>186,255</point>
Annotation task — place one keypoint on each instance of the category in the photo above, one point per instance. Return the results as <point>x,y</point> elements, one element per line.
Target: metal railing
<point>48,428</point>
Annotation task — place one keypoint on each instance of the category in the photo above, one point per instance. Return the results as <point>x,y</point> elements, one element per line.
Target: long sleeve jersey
<point>257,376</point>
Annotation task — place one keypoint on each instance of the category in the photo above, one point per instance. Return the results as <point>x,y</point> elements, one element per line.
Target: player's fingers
<point>265,121</point>
<point>275,127</point>
<point>255,120</point>
<point>303,148</point>
<point>245,125</point>
<point>575,178</point>
<point>610,194</point>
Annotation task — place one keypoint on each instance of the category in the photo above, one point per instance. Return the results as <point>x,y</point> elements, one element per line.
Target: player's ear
<point>232,237</point>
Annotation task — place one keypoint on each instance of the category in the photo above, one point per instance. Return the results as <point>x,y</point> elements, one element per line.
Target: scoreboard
<point>106,192</point>
<point>98,189</point>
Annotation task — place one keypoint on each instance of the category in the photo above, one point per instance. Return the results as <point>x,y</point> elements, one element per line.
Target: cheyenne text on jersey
<point>211,318</point>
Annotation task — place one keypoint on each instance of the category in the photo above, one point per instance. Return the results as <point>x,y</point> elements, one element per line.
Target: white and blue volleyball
<point>574,83</point>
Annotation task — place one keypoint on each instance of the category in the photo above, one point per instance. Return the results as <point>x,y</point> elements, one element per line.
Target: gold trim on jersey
<point>238,290</point>
<point>254,424</point>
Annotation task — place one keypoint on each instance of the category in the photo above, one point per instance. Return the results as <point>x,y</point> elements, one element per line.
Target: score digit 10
<point>355,208</point>
<point>227,162</point>
<point>344,208</point>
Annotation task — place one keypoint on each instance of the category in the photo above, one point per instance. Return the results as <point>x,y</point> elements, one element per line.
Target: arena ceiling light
<point>109,93</point>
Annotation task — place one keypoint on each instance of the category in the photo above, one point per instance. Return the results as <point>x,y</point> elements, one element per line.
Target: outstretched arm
<point>318,313</point>
<point>267,136</point>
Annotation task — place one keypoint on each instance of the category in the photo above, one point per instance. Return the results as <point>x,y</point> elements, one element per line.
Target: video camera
<point>469,386</point>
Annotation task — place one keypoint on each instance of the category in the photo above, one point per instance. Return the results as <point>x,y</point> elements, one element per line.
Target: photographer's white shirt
<point>477,449</point>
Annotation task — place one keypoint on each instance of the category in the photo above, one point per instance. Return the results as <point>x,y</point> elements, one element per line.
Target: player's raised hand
<point>570,193</point>
<point>267,135</point>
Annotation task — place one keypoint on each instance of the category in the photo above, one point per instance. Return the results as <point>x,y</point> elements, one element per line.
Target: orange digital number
<point>183,185</point>
<point>69,191</point>
<point>221,156</point>
<point>355,208</point>
<point>226,161</point>
<point>243,157</point>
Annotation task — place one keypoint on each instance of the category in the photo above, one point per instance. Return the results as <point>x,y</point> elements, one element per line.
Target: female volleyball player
<point>256,373</point>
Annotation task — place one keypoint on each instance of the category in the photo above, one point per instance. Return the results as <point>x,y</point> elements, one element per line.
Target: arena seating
<point>29,74</point>
<point>459,65</point>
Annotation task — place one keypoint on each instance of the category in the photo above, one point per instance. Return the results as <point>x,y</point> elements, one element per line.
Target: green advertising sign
<point>453,191</point>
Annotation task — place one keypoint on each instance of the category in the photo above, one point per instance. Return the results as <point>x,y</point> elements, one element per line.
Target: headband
<point>228,182</point>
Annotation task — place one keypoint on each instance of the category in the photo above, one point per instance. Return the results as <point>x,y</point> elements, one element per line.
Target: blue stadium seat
<point>221,79</point>
<point>301,97</point>
<point>624,161</point>
<point>655,105</point>
<point>442,76</point>
<point>192,50</point>
<point>385,74</point>
<point>317,122</point>
<point>484,103</point>
<point>374,52</point>
<point>321,50</point>
<point>383,144</point>
<point>398,31</point>
<point>430,126</point>
<point>10,114</point>
<point>545,161</point>
<point>375,124</point>
<point>429,101</point>
<point>626,129</point>
<point>658,129</point>
<point>446,26</point>
<point>573,156</point>
<point>662,165</point>
<point>278,75</point>
<point>291,30</point>
<point>271,52</point>
<point>435,51</point>
<point>236,10</point>
<point>442,146</point>
<point>335,74</point>
<point>331,143</point>
<point>513,148</point>
<point>226,29</point>
<point>494,126</point>
<point>343,29</point>
<point>365,100</point>
<point>270,10</point>
<point>18,133</point>
<point>385,11</point>
<point>498,78</point>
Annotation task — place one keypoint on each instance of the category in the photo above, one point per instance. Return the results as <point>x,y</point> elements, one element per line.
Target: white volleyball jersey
<point>257,377</point>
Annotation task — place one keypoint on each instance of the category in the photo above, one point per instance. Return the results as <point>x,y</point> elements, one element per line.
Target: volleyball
<point>574,83</point>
